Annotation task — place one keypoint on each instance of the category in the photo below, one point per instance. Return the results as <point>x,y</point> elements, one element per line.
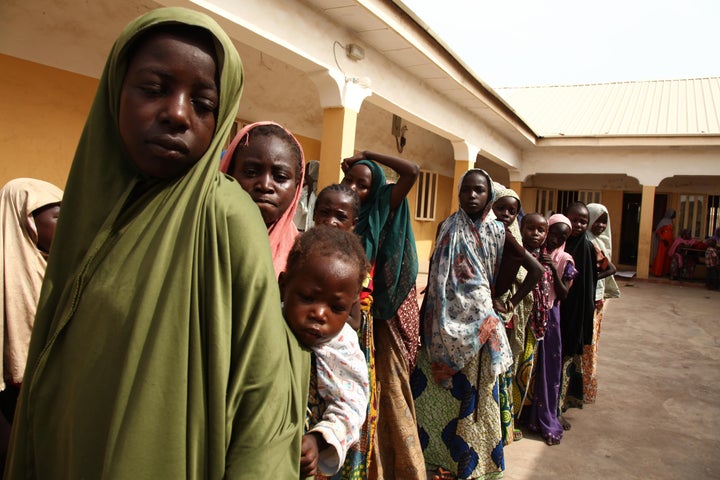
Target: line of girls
<point>185,330</point>
<point>448,409</point>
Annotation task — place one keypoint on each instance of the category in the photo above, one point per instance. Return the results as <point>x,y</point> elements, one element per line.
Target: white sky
<point>511,43</point>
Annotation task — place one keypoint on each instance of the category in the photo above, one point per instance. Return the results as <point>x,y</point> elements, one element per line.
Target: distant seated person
<point>682,266</point>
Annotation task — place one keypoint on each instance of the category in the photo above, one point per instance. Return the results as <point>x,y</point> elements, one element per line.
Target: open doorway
<point>630,228</point>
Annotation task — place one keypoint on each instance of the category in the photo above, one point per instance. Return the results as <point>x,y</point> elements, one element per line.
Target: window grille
<point>545,201</point>
<point>426,199</point>
<point>712,219</point>
<point>690,214</point>
<point>589,196</point>
<point>566,197</point>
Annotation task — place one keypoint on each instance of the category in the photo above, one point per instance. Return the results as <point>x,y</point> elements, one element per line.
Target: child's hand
<point>499,306</point>
<point>546,259</point>
<point>309,455</point>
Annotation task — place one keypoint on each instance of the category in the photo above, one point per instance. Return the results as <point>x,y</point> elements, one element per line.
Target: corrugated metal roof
<point>653,108</point>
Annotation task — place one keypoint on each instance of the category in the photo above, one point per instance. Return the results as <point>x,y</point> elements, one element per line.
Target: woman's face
<point>474,194</point>
<point>169,104</point>
<point>506,209</point>
<point>600,225</point>
<point>45,222</point>
<point>359,178</point>
<point>266,168</point>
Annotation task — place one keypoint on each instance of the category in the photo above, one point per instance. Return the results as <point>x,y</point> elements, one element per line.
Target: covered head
<point>23,265</point>
<point>273,178</point>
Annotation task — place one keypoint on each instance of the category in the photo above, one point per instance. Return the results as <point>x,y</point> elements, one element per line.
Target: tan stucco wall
<point>613,201</point>
<point>310,146</point>
<point>425,231</point>
<point>43,113</point>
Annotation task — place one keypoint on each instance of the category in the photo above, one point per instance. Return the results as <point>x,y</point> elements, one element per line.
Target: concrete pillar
<point>338,142</point>
<point>341,99</point>
<point>646,231</point>
<point>517,186</point>
<point>461,166</point>
<point>465,156</point>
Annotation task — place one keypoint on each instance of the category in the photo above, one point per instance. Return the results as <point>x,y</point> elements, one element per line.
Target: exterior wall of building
<point>45,110</point>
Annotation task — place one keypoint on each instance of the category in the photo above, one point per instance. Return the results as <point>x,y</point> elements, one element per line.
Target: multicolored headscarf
<point>459,316</point>
<point>282,233</point>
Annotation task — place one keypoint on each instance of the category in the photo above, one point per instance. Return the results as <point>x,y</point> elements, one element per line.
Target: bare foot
<point>553,441</point>
<point>565,424</point>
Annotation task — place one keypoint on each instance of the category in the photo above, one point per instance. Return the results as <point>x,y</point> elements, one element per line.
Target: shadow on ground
<point>657,414</point>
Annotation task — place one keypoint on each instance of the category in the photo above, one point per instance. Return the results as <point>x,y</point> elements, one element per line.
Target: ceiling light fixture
<point>354,51</point>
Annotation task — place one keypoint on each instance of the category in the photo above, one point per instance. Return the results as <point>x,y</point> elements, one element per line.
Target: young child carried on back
<point>338,206</point>
<point>320,285</point>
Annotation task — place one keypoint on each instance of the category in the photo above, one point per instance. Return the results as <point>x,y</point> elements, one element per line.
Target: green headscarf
<point>159,348</point>
<point>389,245</point>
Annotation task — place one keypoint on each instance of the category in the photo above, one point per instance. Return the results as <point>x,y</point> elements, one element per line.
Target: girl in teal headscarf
<point>159,348</point>
<point>385,227</point>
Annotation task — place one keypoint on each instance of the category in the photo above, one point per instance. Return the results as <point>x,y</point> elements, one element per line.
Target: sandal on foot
<point>549,440</point>
<point>517,435</point>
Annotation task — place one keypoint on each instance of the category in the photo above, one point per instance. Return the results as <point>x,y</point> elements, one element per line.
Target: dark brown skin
<point>407,171</point>
<point>557,234</point>
<point>335,209</point>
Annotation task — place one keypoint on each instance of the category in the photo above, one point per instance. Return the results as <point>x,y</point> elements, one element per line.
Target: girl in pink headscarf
<point>268,162</point>
<point>543,415</point>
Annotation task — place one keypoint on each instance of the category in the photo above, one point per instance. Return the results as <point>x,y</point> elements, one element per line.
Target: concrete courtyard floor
<point>657,414</point>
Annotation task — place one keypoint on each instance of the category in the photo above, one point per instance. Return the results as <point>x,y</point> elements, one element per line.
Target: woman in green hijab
<point>159,348</point>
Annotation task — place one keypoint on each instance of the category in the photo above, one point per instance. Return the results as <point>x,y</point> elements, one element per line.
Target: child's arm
<point>515,256</point>
<point>407,171</point>
<point>605,267</point>
<point>562,285</point>
<point>342,379</point>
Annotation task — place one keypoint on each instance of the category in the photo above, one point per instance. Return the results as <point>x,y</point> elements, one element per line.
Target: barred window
<point>545,201</point>
<point>713,214</point>
<point>426,196</point>
<point>690,214</point>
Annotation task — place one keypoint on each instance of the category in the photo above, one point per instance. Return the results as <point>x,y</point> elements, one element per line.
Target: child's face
<point>267,169</point>
<point>359,178</point>
<point>169,105</point>
<point>474,194</point>
<point>335,209</point>
<point>506,209</point>
<point>578,216</point>
<point>558,233</point>
<point>45,222</point>
<point>318,299</point>
<point>600,225</point>
<point>533,231</point>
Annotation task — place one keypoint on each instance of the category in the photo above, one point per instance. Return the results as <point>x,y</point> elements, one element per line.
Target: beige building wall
<point>45,110</point>
<point>613,200</point>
